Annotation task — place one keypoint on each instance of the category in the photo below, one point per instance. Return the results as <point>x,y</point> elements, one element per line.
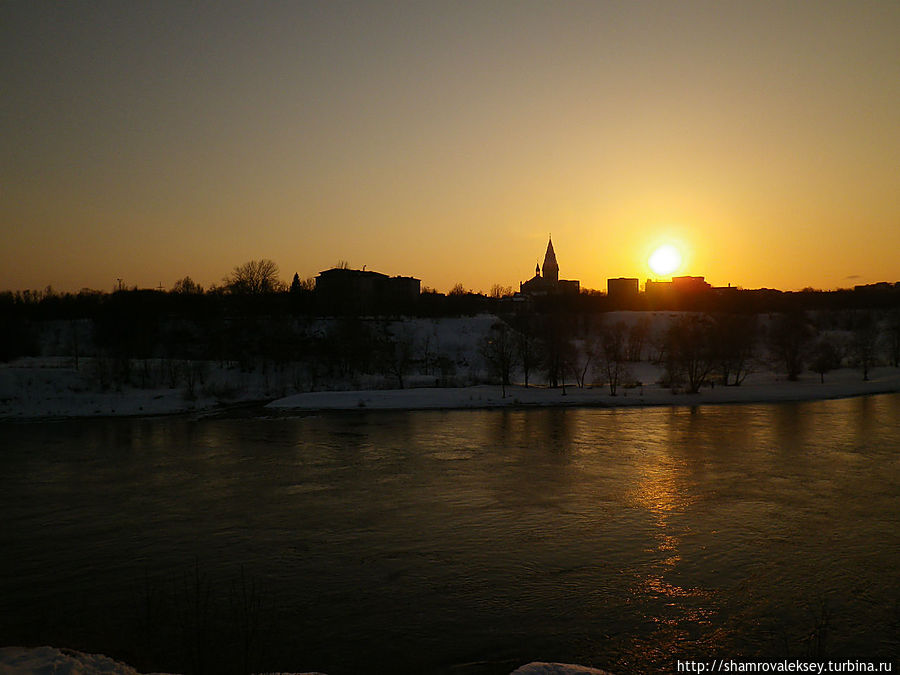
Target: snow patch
<point>541,668</point>
<point>53,661</point>
<point>758,388</point>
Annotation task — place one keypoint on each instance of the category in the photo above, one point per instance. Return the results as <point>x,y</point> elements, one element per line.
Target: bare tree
<point>865,342</point>
<point>397,351</point>
<point>349,347</point>
<point>658,346</point>
<point>498,350</point>
<point>637,336</point>
<point>824,356</point>
<point>788,337</point>
<point>734,340</point>
<point>528,352</point>
<point>690,350</point>
<point>498,291</point>
<point>891,337</point>
<point>613,351</point>
<point>74,343</point>
<point>254,278</point>
<point>428,345</point>
<point>557,348</point>
<point>187,286</point>
<point>587,349</point>
<point>458,289</point>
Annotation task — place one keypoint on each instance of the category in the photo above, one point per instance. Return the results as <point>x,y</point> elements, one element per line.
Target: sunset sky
<point>445,140</point>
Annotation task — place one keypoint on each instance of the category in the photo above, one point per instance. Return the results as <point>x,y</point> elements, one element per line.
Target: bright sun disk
<point>665,260</point>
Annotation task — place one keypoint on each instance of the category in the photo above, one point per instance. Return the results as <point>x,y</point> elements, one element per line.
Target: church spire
<point>550,268</point>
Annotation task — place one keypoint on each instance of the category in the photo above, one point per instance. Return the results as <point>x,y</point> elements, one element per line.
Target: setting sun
<point>665,260</point>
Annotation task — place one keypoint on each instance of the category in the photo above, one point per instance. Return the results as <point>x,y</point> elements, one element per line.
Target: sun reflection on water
<point>663,490</point>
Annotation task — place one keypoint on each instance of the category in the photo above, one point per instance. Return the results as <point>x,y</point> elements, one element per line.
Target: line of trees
<point>693,349</point>
<point>254,320</point>
<point>146,346</point>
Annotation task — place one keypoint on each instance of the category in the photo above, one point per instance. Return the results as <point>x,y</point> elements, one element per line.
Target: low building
<point>659,290</point>
<point>679,293</point>
<point>622,291</point>
<point>361,291</point>
<point>690,284</point>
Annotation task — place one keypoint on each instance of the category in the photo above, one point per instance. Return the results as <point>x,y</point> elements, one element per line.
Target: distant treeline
<point>188,299</point>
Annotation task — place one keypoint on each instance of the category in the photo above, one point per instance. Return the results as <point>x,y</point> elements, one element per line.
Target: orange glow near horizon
<point>445,140</point>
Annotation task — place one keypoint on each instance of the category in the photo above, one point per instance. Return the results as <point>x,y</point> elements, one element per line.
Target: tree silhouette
<point>865,341</point>
<point>613,351</point>
<point>499,349</point>
<point>824,356</point>
<point>499,291</point>
<point>734,337</point>
<point>254,278</point>
<point>458,289</point>
<point>556,343</point>
<point>892,337</point>
<point>397,349</point>
<point>187,286</point>
<point>788,336</point>
<point>690,352</point>
<point>637,336</point>
<point>588,347</point>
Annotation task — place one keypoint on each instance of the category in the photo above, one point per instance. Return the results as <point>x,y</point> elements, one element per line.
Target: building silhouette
<point>678,287</point>
<point>362,292</point>
<point>546,279</point>
<point>622,291</point>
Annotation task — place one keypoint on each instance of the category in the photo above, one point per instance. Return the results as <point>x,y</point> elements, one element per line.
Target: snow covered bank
<point>758,389</point>
<point>441,363</point>
<point>42,388</point>
<point>49,660</point>
<point>34,393</point>
<point>52,661</point>
<point>60,386</point>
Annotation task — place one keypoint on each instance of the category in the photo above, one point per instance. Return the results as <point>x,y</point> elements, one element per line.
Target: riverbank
<point>33,389</point>
<point>41,391</point>
<point>760,389</point>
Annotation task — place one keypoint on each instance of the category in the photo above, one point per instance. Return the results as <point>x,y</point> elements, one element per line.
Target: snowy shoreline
<point>446,370</point>
<point>48,402</point>
<point>522,398</point>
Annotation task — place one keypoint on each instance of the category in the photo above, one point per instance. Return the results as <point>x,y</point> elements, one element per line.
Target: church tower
<point>551,269</point>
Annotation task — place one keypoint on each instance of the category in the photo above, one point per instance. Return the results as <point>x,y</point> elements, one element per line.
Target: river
<point>457,541</point>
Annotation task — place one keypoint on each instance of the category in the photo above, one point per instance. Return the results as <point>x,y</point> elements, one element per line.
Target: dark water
<point>469,542</point>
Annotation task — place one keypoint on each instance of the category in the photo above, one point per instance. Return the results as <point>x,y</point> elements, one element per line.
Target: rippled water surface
<point>463,541</point>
